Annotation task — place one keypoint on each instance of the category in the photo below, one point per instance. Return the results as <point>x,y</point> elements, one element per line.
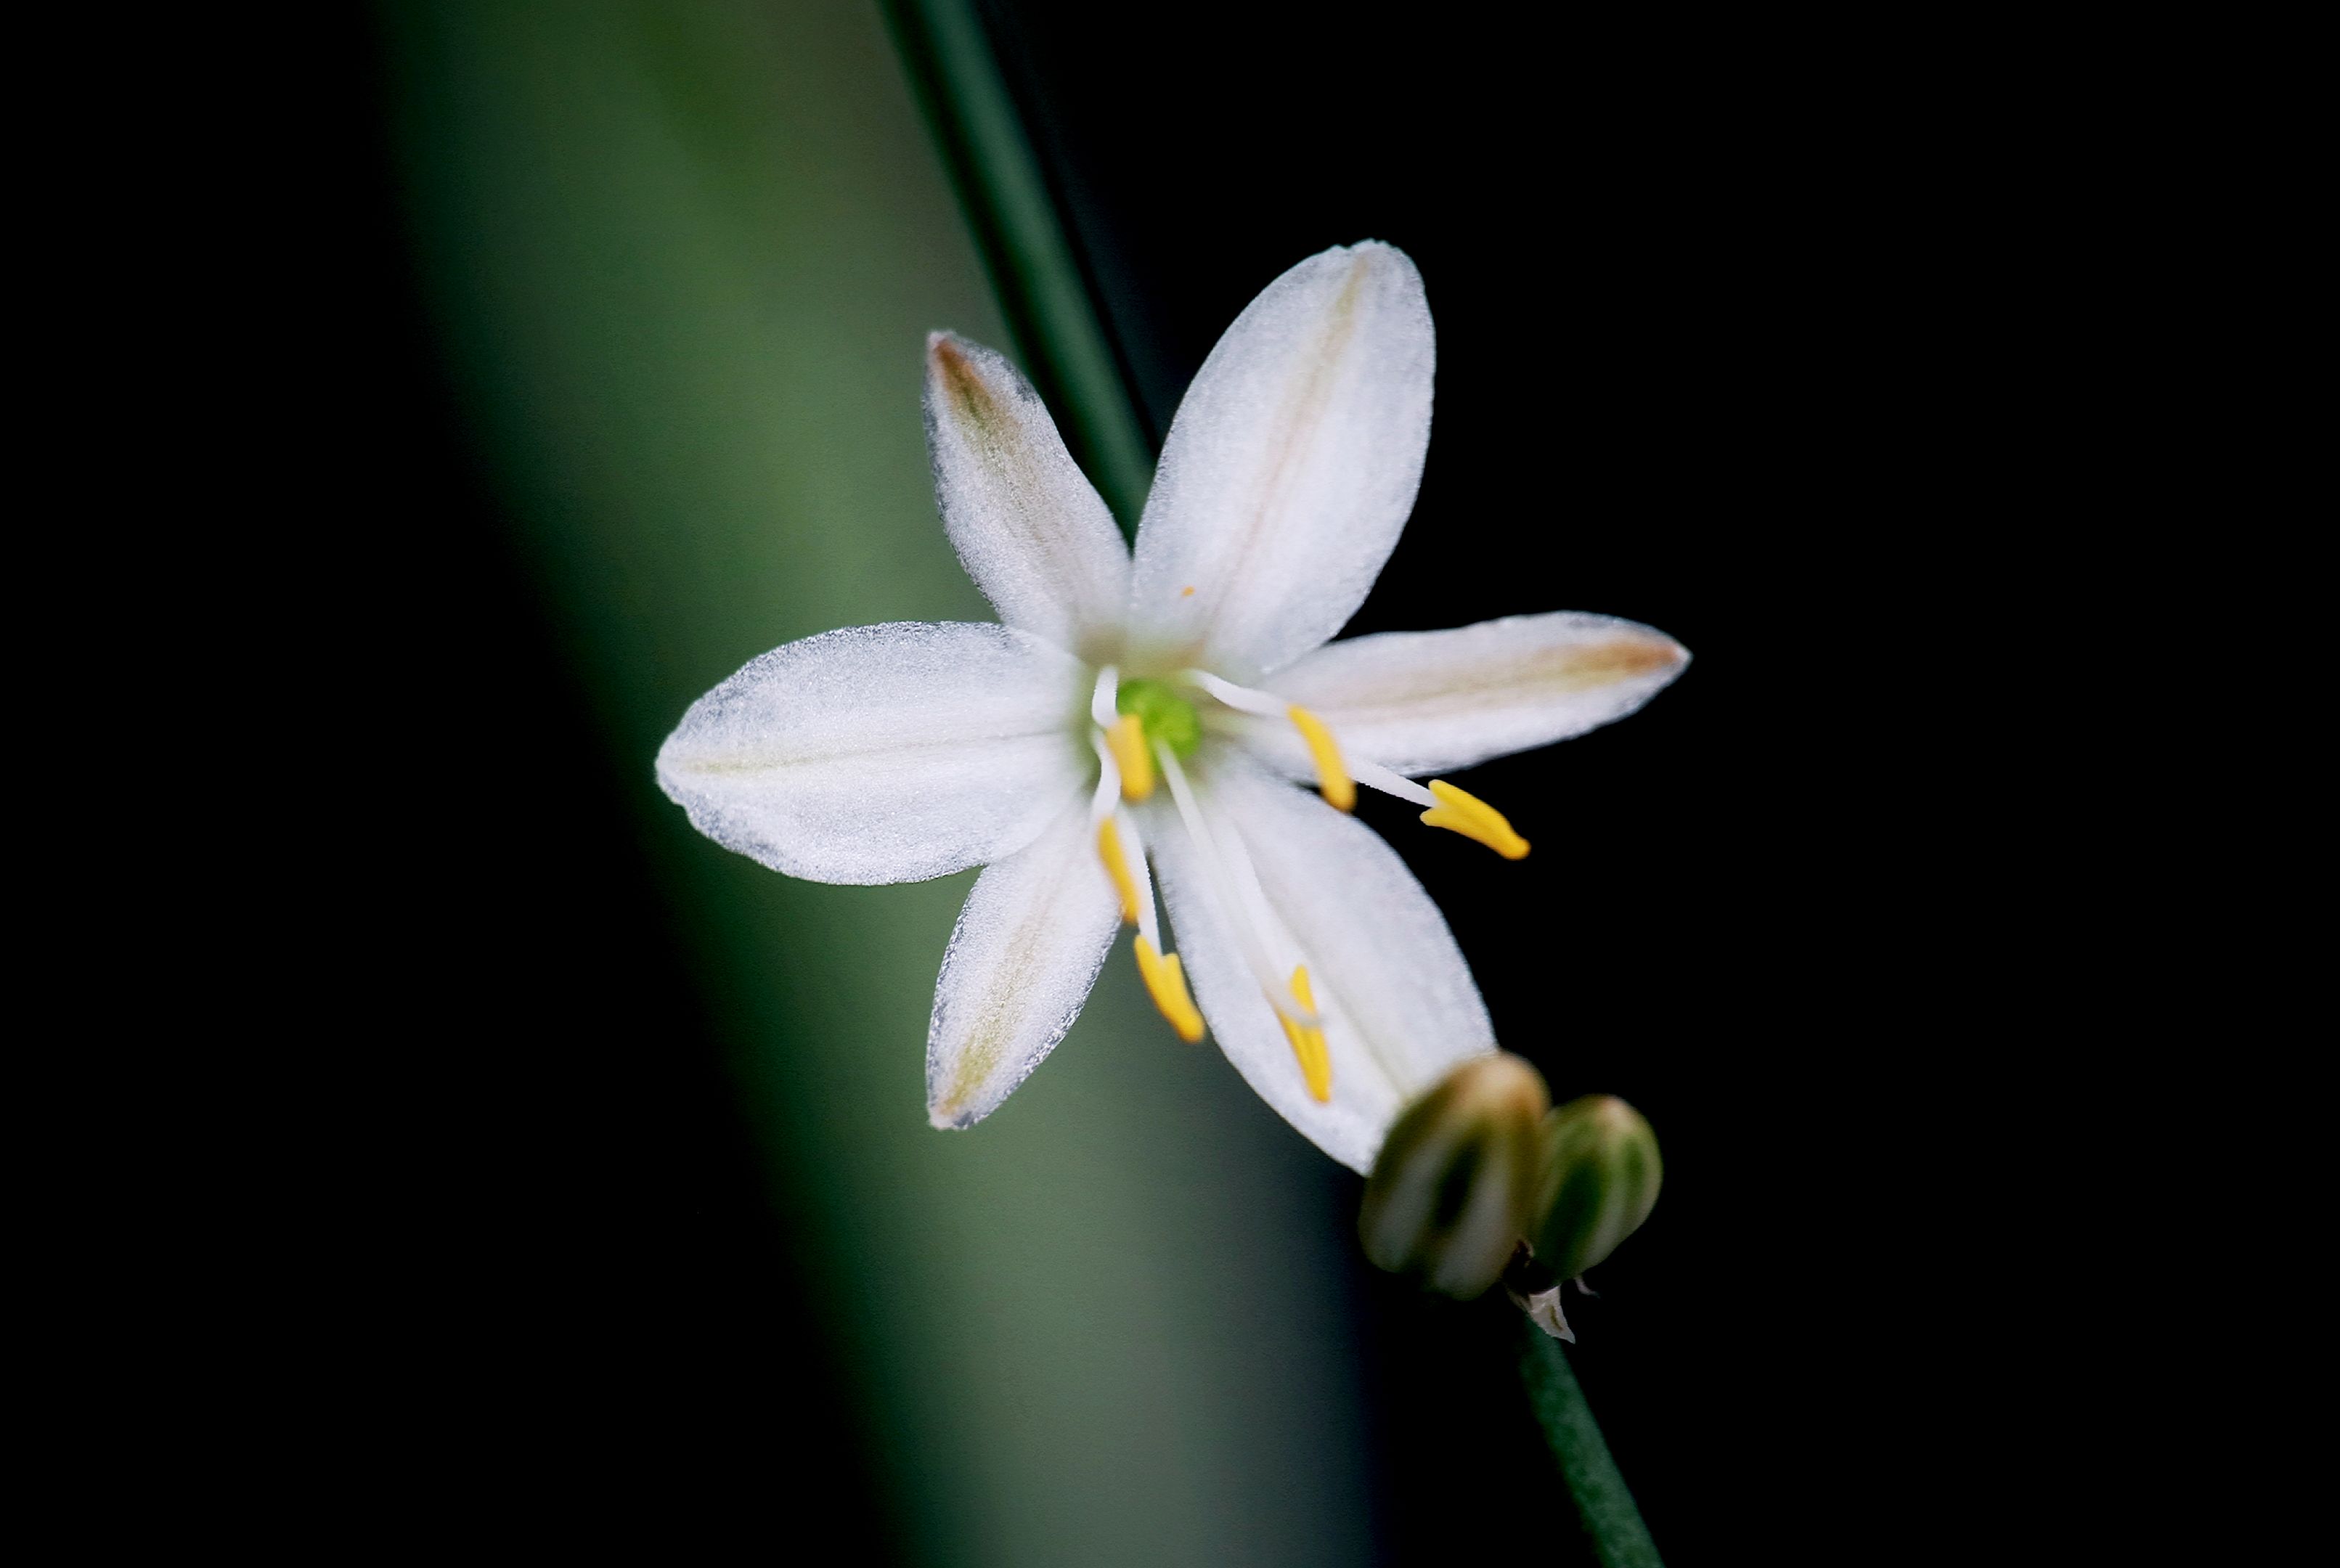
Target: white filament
<point>1133,852</point>
<point>1108,784</point>
<point>1242,698</point>
<point>1373,776</point>
<point>1102,695</point>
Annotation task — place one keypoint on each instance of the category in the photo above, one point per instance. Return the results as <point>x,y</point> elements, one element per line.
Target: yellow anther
<point>1307,1043</point>
<point>1166,982</point>
<point>1332,778</point>
<point>1465,813</point>
<point>1127,739</point>
<point>1117,868</point>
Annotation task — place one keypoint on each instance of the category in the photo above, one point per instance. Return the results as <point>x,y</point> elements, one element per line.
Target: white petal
<point>1398,1001</point>
<point>1029,526</point>
<point>1027,950</point>
<point>1366,1100</point>
<point>1364,922</point>
<point>1291,467</point>
<point>884,753</point>
<point>1427,702</point>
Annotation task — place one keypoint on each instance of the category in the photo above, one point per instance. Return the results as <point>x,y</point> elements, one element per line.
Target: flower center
<point>1162,714</point>
<point>1143,729</point>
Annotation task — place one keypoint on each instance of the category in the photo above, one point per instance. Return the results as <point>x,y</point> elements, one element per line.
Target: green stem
<point>1039,280</point>
<point>1604,1505</point>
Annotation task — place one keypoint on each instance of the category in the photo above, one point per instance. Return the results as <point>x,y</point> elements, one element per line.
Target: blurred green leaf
<point>684,259</point>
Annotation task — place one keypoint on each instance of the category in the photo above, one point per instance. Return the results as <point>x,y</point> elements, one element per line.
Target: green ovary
<point>1162,714</point>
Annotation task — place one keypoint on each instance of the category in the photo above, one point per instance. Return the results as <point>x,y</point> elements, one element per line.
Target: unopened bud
<point>1456,1183</point>
<point>1601,1179</point>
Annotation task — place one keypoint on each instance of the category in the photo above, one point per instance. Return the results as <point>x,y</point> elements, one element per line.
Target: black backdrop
<point>1684,283</point>
<point>1688,360</point>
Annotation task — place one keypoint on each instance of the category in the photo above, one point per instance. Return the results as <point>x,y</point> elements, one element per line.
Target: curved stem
<point>1057,325</point>
<point>1602,1502</point>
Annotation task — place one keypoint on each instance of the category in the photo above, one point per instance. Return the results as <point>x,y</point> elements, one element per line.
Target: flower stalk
<point>1602,1502</point>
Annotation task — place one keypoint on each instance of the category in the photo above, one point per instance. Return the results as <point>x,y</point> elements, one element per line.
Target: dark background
<point>1694,368</point>
<point>1698,300</point>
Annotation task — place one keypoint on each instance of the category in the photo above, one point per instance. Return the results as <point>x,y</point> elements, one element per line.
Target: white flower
<point>1033,747</point>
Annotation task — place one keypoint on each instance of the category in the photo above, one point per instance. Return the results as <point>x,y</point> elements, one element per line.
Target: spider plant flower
<point>1134,723</point>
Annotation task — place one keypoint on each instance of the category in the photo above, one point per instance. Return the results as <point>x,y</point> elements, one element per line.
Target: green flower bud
<point>1455,1186</point>
<point>1601,1178</point>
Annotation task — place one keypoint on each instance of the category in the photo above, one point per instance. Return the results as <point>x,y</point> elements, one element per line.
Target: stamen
<point>1115,867</point>
<point>1127,736</point>
<point>1335,777</point>
<point>1340,791</point>
<point>1123,854</point>
<point>1240,899</point>
<point>1242,698</point>
<point>1125,733</point>
<point>1118,844</point>
<point>1465,813</point>
<point>1338,776</point>
<point>1166,982</point>
<point>1308,1042</point>
<point>1237,885</point>
<point>1126,833</point>
<point>1374,776</point>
